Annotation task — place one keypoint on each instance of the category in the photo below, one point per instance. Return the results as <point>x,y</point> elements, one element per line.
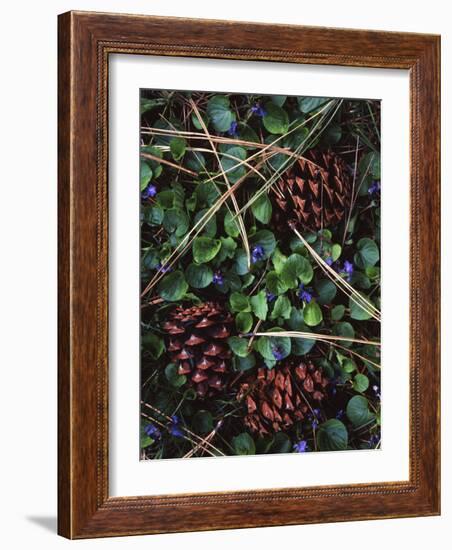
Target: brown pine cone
<point>277,398</point>
<point>196,342</point>
<point>314,193</point>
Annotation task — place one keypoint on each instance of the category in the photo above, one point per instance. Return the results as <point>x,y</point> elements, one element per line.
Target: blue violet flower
<point>301,446</point>
<point>257,253</point>
<point>150,191</point>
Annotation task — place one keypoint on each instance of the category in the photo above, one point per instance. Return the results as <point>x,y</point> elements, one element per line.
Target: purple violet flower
<point>304,294</point>
<point>374,188</point>
<point>218,278</point>
<point>258,110</point>
<point>152,431</point>
<point>270,296</point>
<point>150,191</point>
<point>278,353</point>
<point>301,446</point>
<point>347,270</point>
<point>233,129</point>
<point>163,268</point>
<point>257,253</point>
<point>174,428</point>
<point>329,261</point>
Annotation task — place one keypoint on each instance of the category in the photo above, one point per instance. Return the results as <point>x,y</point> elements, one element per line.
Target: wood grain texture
<point>85,42</point>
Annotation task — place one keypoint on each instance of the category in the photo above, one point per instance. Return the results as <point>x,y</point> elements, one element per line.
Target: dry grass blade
<point>316,336</point>
<point>355,296</point>
<point>186,437</point>
<point>169,163</point>
<point>196,436</point>
<point>203,442</point>
<point>242,228</point>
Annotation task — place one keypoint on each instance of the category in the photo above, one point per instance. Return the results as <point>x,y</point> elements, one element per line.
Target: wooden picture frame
<point>86,40</point>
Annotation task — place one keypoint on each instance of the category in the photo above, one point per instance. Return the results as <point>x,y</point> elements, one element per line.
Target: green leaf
<point>282,308</point>
<point>336,251</point>
<point>153,344</point>
<point>153,215</point>
<point>357,411</point>
<point>196,122</point>
<point>346,330</point>
<point>238,345</point>
<point>337,312</point>
<point>153,163</point>
<point>367,254</point>
<point>296,268</point>
<point>332,436</point>
<point>239,302</point>
<point>262,209</point>
<point>308,104</point>
<point>243,321</point>
<point>266,239</point>
<point>210,228</point>
<point>198,276</point>
<point>360,383</point>
<point>259,305</point>
<point>278,260</point>
<point>326,290</point>
<point>178,146</point>
<point>243,444</point>
<point>176,220</point>
<point>370,164</point>
<point>205,249</point>
<point>230,225</point>
<point>145,440</point>
<point>312,314</point>
<point>279,100</point>
<point>175,379</point>
<point>266,345</point>
<point>149,104</point>
<point>203,422</point>
<point>219,112</point>
<point>172,287</point>
<point>196,161</point>
<point>241,262</point>
<point>348,365</point>
<point>276,120</point>
<point>231,166</point>
<point>145,175</point>
<point>244,363</point>
<point>357,312</point>
<point>274,283</point>
<point>206,193</point>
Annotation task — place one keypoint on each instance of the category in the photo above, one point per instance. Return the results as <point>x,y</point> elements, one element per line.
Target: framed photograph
<point>248,275</point>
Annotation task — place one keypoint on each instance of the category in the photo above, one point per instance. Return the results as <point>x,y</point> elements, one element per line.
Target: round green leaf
<point>276,120</point>
<point>145,175</point>
<point>244,363</point>
<point>308,104</point>
<point>172,287</point>
<point>178,146</point>
<point>266,239</point>
<point>326,290</point>
<point>346,330</point>
<point>332,436</point>
<point>176,221</point>
<point>198,276</point>
<point>243,321</point>
<point>203,422</point>
<point>259,305</point>
<point>230,225</point>
<point>296,268</point>
<point>360,383</point>
<point>274,284</point>
<point>153,344</point>
<point>231,166</point>
<point>282,308</point>
<point>239,302</point>
<point>205,249</point>
<point>266,345</point>
<point>312,314</point>
<point>175,379</point>
<point>357,411</point>
<point>243,444</point>
<point>337,312</point>
<point>358,312</point>
<point>238,345</point>
<point>262,209</point>
<point>219,112</point>
<point>367,254</point>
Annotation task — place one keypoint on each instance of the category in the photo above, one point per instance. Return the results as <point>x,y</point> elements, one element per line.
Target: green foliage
<point>277,288</point>
<point>332,436</point>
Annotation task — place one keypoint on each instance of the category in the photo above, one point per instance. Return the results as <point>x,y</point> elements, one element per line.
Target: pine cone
<point>313,194</point>
<point>277,398</point>
<point>197,344</point>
